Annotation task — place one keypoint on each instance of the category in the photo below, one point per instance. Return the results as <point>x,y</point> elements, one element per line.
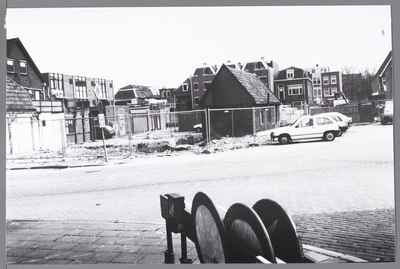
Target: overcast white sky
<point>162,46</point>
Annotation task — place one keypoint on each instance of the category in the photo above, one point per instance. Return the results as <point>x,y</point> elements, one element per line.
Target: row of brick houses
<point>292,86</point>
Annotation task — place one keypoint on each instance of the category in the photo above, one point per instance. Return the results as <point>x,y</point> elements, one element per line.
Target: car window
<point>305,123</point>
<point>336,118</point>
<point>323,121</point>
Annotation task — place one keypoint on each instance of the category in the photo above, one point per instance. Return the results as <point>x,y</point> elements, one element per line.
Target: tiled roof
<point>255,87</point>
<point>18,99</point>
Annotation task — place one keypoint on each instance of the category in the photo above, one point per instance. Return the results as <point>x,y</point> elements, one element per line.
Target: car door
<point>303,129</point>
<point>321,125</point>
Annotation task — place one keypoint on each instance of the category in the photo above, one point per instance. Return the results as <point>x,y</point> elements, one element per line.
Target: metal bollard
<point>184,258</point>
<point>169,254</point>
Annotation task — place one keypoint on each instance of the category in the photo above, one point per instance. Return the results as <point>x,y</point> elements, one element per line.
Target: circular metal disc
<point>281,230</point>
<point>248,235</point>
<point>211,240</point>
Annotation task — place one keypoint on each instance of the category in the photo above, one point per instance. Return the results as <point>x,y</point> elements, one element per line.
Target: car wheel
<point>329,136</point>
<point>284,139</point>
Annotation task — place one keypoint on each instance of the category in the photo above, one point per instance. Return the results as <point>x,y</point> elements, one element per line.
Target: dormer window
<point>290,73</point>
<point>258,65</point>
<point>10,66</point>
<point>185,87</point>
<point>23,67</point>
<point>207,71</point>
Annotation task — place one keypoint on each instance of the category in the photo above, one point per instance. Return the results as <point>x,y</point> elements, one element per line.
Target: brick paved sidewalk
<point>79,242</point>
<point>369,234</point>
<point>327,238</point>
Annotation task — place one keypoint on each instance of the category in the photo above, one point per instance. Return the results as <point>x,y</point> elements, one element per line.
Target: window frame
<point>13,65</point>
<point>333,79</point>
<point>290,73</point>
<point>23,68</point>
<point>208,83</point>
<point>196,87</point>
<point>292,88</point>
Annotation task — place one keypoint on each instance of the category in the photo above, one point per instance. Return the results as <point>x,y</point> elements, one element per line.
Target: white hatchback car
<point>307,127</point>
<point>343,121</point>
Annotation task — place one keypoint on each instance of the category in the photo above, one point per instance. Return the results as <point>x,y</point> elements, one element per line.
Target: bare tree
<point>351,81</point>
<point>366,83</point>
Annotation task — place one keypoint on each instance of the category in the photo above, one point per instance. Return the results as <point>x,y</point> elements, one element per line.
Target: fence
<point>360,113</point>
<point>59,132</point>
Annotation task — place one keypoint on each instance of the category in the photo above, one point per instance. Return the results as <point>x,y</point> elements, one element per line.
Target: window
<point>305,123</point>
<point>316,80</point>
<point>317,92</point>
<point>56,81</point>
<point>197,100</point>
<point>102,86</point>
<point>206,85</point>
<point>290,73</point>
<point>80,87</point>
<point>330,91</point>
<point>326,80</point>
<point>207,71</point>
<point>168,93</point>
<point>10,66</point>
<point>196,86</point>
<point>327,92</point>
<point>259,65</point>
<point>333,79</point>
<point>323,121</point>
<point>185,87</point>
<point>295,89</point>
<point>313,71</point>
<point>23,67</point>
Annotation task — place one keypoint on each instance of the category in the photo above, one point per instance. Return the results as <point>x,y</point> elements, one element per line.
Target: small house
<point>239,103</point>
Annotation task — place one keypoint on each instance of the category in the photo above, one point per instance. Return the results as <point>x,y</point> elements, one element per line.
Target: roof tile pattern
<point>255,87</point>
<point>18,99</point>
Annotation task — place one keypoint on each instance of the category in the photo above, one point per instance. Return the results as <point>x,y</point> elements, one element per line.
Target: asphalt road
<point>355,172</point>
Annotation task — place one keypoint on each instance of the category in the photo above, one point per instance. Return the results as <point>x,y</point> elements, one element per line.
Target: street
<point>354,172</point>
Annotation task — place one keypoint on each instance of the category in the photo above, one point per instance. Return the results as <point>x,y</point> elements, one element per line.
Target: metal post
<point>169,255</point>
<point>63,138</point>
<point>104,144</point>
<point>254,125</point>
<point>233,128</point>
<point>184,258</point>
